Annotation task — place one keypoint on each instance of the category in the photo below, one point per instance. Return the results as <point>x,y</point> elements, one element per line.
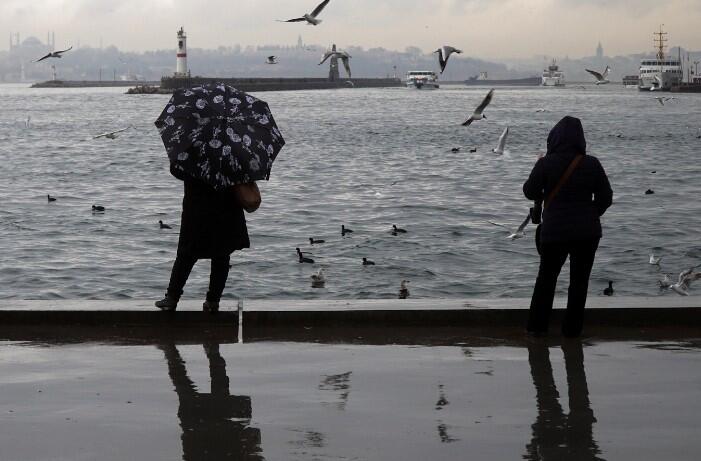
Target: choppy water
<point>345,149</point>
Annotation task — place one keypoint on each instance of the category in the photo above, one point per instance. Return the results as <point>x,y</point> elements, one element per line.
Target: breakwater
<point>280,84</point>
<point>91,83</point>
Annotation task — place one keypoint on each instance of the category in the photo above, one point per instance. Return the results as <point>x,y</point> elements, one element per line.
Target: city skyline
<point>525,29</point>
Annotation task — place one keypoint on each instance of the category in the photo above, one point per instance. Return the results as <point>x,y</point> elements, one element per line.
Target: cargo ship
<point>483,79</point>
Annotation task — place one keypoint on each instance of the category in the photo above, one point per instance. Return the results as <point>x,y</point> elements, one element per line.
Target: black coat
<point>574,213</point>
<point>212,223</point>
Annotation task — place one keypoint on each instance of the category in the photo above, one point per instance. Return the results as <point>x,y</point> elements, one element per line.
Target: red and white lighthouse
<point>181,63</point>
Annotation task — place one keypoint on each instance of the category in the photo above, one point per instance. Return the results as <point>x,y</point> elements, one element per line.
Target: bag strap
<point>565,176</point>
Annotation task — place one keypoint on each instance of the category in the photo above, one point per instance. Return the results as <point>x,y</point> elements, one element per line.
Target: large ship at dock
<point>483,79</point>
<point>663,72</point>
<point>553,76</point>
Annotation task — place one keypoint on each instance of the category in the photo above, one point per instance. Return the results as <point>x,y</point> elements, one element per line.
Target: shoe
<point>210,306</point>
<point>167,304</point>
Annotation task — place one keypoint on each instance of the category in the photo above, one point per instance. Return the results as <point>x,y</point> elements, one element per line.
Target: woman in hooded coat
<point>570,223</point>
<point>212,226</point>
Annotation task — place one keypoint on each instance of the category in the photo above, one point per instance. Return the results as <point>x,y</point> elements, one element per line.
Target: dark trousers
<point>181,271</point>
<point>552,257</point>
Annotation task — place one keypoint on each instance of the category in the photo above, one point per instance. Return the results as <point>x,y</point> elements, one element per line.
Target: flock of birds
<point>318,279</point>
<point>683,282</point>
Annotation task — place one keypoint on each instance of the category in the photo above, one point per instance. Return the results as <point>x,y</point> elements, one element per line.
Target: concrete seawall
<point>280,84</point>
<point>91,84</point>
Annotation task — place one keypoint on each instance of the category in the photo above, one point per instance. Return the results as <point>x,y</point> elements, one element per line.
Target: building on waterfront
<point>181,69</point>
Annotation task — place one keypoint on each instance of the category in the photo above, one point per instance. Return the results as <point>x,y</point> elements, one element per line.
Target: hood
<point>567,137</point>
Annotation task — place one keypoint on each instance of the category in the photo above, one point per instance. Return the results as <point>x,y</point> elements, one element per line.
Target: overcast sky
<point>488,29</point>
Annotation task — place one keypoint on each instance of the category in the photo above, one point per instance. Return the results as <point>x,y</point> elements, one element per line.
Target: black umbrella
<point>219,135</point>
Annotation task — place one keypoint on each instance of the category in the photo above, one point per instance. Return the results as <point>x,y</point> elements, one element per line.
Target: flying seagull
<point>477,114</point>
<point>520,232</point>
<point>342,55</point>
<point>654,260</point>
<point>111,134</point>
<point>444,53</point>
<point>601,79</point>
<point>311,17</point>
<point>271,60</point>
<point>502,142</point>
<point>53,54</point>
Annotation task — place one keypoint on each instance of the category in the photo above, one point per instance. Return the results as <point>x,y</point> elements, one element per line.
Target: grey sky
<point>482,28</point>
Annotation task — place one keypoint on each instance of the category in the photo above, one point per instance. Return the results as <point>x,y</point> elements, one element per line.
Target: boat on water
<point>422,80</point>
<point>483,79</point>
<point>631,81</point>
<point>663,72</point>
<point>553,76</point>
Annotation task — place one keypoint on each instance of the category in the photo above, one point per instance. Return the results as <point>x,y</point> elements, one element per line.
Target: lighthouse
<point>181,63</point>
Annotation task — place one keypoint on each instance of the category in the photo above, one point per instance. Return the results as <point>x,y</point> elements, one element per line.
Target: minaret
<point>181,63</point>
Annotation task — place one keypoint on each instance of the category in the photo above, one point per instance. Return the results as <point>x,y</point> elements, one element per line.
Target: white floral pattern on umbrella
<point>219,135</point>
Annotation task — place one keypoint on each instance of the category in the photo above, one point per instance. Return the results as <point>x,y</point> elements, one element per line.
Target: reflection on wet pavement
<point>556,436</point>
<point>301,401</point>
<point>214,424</point>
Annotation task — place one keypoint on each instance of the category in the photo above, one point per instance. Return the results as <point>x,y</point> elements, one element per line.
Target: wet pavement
<point>476,398</point>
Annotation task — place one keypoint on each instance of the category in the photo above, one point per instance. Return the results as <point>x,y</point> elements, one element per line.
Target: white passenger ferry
<point>553,76</point>
<point>422,80</point>
<point>661,73</point>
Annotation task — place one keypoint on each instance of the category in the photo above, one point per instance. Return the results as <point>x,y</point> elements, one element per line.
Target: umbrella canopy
<point>219,135</point>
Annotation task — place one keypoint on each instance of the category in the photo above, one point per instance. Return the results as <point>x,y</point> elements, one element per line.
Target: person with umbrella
<point>219,142</point>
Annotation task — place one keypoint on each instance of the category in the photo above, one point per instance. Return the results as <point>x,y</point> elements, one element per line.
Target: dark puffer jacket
<point>574,213</point>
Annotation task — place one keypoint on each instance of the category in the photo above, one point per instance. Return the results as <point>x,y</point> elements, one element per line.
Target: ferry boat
<point>422,79</point>
<point>553,76</point>
<point>663,72</point>
<point>631,81</point>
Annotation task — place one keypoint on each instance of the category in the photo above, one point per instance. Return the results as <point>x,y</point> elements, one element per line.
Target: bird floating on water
<point>163,226</point>
<point>318,279</point>
<point>609,291</point>
<point>601,78</point>
<point>444,53</point>
<point>49,198</point>
<point>396,230</point>
<point>312,241</point>
<point>367,262</point>
<point>98,209</point>
<point>345,231</point>
<point>654,260</point>
<point>502,142</point>
<point>519,232</point>
<point>649,192</point>
<point>271,60</point>
<point>310,18</point>
<point>478,114</point>
<point>403,290</point>
<point>302,258</point>
<point>54,54</point>
<point>28,122</point>
<point>111,134</point>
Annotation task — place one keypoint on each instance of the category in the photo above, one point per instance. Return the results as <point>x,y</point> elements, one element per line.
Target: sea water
<point>366,158</point>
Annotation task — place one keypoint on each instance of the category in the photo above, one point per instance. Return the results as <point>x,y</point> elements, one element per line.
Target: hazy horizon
<point>525,28</point>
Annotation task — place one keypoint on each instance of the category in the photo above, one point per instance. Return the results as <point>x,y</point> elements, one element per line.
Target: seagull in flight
<point>444,53</point>
<point>685,279</point>
<point>342,55</point>
<point>111,134</point>
<point>477,114</point>
<point>520,232</point>
<point>271,60</point>
<point>311,17</point>
<point>655,260</point>
<point>601,78</point>
<point>54,54</point>
<point>502,142</point>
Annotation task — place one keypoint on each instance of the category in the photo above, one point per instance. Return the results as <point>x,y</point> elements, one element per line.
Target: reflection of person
<point>212,227</point>
<point>556,436</point>
<point>571,224</point>
<point>214,425</point>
